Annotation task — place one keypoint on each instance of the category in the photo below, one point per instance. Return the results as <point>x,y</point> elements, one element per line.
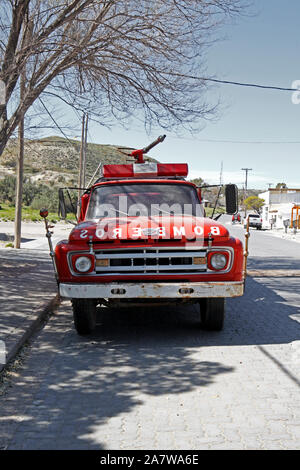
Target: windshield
<point>143,199</point>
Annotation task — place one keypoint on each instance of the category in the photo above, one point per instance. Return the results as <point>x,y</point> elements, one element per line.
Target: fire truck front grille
<point>150,261</point>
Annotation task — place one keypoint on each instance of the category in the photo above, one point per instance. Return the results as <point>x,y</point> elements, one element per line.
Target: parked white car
<point>255,221</point>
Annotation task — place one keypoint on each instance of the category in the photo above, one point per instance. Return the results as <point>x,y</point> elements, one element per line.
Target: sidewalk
<point>28,292</point>
<point>279,233</point>
<point>290,235</point>
<point>33,234</point>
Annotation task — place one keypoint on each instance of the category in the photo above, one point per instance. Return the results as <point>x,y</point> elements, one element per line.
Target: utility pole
<point>82,159</point>
<point>246,185</point>
<point>20,158</point>
<point>221,174</point>
<point>19,179</point>
<point>84,151</point>
<point>27,29</point>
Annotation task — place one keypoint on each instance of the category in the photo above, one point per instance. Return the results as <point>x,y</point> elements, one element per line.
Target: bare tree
<point>112,58</point>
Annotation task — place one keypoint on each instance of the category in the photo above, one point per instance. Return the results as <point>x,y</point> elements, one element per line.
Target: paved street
<point>154,380</point>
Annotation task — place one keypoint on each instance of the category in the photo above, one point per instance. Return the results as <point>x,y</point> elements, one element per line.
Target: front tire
<point>212,313</point>
<point>84,315</point>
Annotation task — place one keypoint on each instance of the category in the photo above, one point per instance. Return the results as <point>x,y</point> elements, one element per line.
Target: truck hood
<point>182,228</point>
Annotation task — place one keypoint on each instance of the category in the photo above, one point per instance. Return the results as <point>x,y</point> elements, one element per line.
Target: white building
<point>278,206</point>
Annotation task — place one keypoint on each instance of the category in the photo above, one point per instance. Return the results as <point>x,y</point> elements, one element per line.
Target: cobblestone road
<point>154,380</point>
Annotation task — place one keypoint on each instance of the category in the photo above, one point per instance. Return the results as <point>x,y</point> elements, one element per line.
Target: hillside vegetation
<point>49,163</point>
<point>55,160</point>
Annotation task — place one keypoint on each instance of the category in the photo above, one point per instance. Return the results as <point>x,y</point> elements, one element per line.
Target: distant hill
<point>55,160</point>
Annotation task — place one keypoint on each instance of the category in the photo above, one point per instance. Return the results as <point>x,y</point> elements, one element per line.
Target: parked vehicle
<point>142,238</point>
<point>236,218</point>
<point>255,221</point>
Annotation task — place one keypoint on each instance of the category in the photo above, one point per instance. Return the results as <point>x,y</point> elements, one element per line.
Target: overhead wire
<point>56,124</point>
<point>243,84</point>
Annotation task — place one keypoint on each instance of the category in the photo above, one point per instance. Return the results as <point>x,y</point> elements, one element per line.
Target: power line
<point>57,125</point>
<point>252,85</point>
<point>231,141</point>
<point>246,141</point>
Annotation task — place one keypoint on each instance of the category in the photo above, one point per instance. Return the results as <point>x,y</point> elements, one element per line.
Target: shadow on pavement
<point>93,380</point>
<point>261,316</point>
<point>25,285</point>
<point>278,262</point>
<point>86,381</point>
<point>4,237</point>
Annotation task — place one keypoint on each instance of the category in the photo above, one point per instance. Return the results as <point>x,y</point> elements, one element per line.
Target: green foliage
<point>254,202</point>
<point>30,190</point>
<point>34,195</point>
<point>7,189</point>
<point>219,210</point>
<point>10,163</point>
<point>7,214</point>
<point>198,181</point>
<point>45,197</point>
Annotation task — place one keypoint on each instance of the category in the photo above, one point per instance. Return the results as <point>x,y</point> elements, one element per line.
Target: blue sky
<point>261,49</point>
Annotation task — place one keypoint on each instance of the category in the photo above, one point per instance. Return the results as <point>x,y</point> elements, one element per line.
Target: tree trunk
<point>3,134</point>
<point>20,165</point>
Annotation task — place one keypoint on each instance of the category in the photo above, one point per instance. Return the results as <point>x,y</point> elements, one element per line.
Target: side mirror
<point>231,198</point>
<point>62,211</point>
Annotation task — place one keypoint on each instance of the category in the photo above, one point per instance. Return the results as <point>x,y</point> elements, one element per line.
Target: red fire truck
<point>142,237</point>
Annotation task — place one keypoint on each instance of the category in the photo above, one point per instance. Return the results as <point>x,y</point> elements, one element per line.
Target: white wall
<point>280,202</point>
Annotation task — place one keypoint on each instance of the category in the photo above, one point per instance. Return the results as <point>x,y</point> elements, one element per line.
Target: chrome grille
<point>151,261</point>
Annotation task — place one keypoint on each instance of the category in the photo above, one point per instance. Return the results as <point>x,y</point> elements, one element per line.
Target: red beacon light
<point>145,170</point>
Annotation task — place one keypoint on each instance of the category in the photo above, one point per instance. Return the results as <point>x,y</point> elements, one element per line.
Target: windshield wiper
<point>161,210</point>
<point>116,210</point>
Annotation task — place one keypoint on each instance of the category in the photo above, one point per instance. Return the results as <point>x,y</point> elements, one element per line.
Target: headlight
<point>218,261</point>
<point>83,264</point>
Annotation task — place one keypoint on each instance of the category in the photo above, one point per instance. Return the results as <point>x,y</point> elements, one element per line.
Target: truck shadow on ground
<point>89,382</point>
<point>94,389</point>
<point>261,316</point>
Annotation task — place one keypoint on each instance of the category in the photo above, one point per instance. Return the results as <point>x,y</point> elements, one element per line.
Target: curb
<point>43,313</point>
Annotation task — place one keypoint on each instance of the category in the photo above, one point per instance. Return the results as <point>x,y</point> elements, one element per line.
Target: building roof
<point>284,190</point>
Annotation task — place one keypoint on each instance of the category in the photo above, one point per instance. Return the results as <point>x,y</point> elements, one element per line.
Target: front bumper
<point>253,225</point>
<point>152,290</point>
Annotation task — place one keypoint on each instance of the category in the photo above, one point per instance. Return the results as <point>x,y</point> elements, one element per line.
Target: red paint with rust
<point>86,231</point>
<point>64,247</point>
